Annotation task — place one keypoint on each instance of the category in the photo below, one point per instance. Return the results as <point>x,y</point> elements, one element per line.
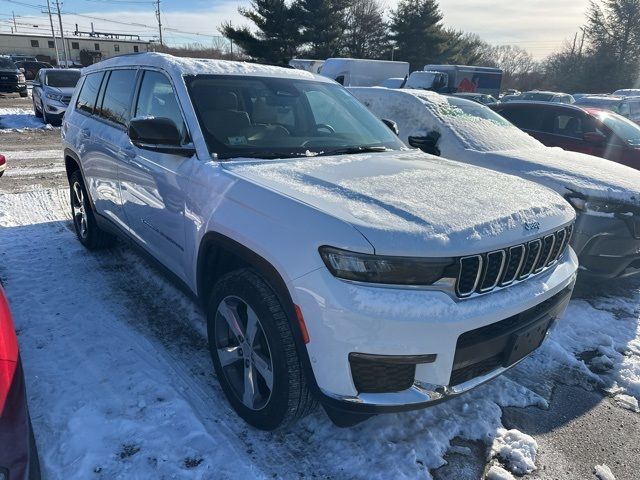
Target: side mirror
<point>428,144</point>
<point>595,138</point>
<point>393,126</point>
<point>158,134</point>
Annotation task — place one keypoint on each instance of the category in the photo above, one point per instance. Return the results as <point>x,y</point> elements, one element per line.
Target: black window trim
<point>84,80</point>
<point>188,138</point>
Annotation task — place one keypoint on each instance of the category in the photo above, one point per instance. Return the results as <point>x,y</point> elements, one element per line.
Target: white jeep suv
<point>333,263</point>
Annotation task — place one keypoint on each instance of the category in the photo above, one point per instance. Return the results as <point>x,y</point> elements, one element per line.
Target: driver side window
<point>157,99</point>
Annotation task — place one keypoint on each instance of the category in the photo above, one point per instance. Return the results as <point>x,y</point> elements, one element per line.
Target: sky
<point>540,26</point>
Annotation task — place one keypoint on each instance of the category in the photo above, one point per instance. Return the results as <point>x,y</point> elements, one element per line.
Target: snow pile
<point>516,449</point>
<point>627,401</point>
<point>498,473</point>
<point>20,119</point>
<point>603,472</point>
<point>413,193</point>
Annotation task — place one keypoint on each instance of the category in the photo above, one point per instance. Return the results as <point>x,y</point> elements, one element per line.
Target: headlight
<point>55,96</point>
<point>21,78</point>
<point>362,267</point>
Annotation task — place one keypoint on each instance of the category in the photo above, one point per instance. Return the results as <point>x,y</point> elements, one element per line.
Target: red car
<point>18,452</point>
<point>3,165</point>
<point>586,130</point>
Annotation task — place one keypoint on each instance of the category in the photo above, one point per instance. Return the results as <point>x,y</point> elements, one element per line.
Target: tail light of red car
<point>3,160</point>
<point>8,350</point>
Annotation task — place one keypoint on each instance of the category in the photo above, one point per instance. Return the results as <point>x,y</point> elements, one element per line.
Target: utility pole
<point>64,46</point>
<point>14,21</point>
<point>159,21</point>
<point>53,33</point>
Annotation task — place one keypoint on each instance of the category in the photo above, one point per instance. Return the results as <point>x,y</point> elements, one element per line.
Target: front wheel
<point>84,220</point>
<point>254,353</point>
<point>36,112</point>
<point>24,94</point>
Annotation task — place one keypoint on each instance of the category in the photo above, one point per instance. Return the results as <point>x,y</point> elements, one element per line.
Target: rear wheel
<point>84,221</point>
<point>253,352</point>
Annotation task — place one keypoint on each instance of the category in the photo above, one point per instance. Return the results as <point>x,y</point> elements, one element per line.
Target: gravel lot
<point>582,427</point>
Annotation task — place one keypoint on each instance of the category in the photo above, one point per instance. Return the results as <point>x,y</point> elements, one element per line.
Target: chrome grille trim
<point>508,281</point>
<point>464,294</point>
<point>482,287</point>
<point>536,256</point>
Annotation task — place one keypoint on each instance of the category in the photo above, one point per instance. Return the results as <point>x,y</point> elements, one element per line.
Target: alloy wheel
<point>79,211</point>
<point>243,351</point>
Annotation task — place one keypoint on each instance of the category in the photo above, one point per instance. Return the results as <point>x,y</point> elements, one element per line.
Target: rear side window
<point>116,103</point>
<point>529,118</point>
<point>87,97</point>
<point>157,99</point>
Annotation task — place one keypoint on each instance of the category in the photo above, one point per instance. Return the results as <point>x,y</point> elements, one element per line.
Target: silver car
<point>52,91</point>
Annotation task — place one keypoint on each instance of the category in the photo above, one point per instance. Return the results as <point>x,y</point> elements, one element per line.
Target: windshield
<point>62,78</point>
<point>479,127</point>
<point>275,118</point>
<point>627,130</point>
<point>537,96</point>
<point>7,64</point>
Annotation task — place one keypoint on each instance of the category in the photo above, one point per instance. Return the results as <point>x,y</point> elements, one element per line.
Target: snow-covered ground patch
<point>121,383</point>
<point>20,119</point>
<point>603,472</point>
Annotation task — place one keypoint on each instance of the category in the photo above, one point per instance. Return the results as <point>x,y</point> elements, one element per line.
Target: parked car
<point>606,195</point>
<point>333,264</point>
<point>16,57</point>
<point>587,130</point>
<point>628,92</point>
<point>628,107</point>
<point>362,72</point>
<point>11,78</point>
<point>3,164</point>
<point>538,96</point>
<point>51,93</point>
<point>468,78</point>
<point>478,98</point>
<point>18,451</point>
<point>510,98</point>
<point>309,65</point>
<point>31,69</point>
<point>396,82</point>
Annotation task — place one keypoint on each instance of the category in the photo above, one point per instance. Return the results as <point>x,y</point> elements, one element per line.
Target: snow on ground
<point>499,473</point>
<point>20,119</point>
<point>121,383</point>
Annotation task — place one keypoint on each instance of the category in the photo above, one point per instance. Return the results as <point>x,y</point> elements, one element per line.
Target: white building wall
<point>43,45</point>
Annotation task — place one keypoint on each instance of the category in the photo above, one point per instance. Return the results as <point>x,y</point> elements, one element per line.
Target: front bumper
<point>344,318</point>
<point>13,87</point>
<point>55,110</point>
<point>608,246</point>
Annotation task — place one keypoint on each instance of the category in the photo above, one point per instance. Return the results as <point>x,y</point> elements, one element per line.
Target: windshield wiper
<point>357,149</point>
<point>255,154</point>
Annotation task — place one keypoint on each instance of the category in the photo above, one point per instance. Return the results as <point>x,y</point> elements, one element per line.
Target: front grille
<point>483,272</point>
<point>375,376</point>
<point>8,77</point>
<point>485,349</point>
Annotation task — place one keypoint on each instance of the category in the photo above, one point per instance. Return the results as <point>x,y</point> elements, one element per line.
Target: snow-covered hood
<point>60,90</point>
<point>567,172</point>
<point>410,203</point>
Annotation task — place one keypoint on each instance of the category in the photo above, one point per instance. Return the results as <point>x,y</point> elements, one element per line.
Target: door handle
<point>85,133</point>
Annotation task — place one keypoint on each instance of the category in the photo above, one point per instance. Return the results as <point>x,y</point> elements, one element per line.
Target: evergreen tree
<point>416,28</point>
<point>277,38</point>
<point>323,24</point>
<point>366,34</point>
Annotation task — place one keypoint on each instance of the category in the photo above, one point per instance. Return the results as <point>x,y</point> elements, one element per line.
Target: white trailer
<point>359,72</point>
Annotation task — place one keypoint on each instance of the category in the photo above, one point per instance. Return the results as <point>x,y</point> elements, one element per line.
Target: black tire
<point>44,114</point>
<point>24,94</point>
<point>290,397</point>
<point>36,112</point>
<point>87,230</point>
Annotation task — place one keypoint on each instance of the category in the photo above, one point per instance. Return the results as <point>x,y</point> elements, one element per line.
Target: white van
<point>358,72</point>
<point>306,64</point>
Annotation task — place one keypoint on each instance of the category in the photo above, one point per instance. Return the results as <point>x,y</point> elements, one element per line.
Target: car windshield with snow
<point>605,195</point>
<point>334,264</point>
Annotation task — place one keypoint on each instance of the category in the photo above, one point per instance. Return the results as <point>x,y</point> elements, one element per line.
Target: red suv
<point>586,130</point>
<point>18,453</point>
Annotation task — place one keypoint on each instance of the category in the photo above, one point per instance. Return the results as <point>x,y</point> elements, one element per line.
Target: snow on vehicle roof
<point>201,66</point>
